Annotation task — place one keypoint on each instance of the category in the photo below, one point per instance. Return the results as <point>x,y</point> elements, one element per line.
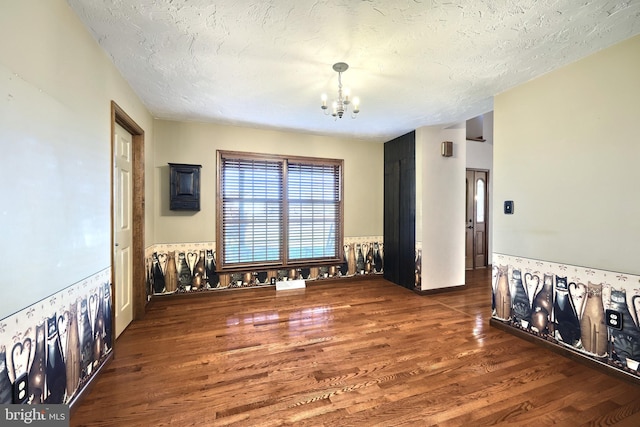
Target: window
<point>278,211</point>
<point>480,200</point>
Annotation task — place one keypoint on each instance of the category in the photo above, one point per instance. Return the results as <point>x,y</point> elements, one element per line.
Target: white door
<point>122,150</point>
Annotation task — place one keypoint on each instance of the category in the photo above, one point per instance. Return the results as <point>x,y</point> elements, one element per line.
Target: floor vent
<point>290,284</point>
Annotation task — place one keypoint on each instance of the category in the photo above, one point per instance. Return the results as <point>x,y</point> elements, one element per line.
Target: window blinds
<point>278,211</point>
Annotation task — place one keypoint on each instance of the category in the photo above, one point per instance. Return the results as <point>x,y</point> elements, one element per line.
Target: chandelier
<point>341,104</point>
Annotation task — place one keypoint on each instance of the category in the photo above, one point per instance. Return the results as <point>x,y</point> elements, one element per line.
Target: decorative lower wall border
<point>191,267</point>
<point>418,267</point>
<point>593,313</point>
<point>56,346</point>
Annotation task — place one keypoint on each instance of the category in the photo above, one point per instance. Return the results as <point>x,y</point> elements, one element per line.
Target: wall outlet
<point>21,389</point>
<point>613,319</point>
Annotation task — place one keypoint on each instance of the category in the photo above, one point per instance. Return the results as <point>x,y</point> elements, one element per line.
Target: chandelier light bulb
<point>323,97</point>
<point>356,105</point>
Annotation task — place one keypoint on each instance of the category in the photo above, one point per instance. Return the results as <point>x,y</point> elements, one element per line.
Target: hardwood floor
<point>361,352</point>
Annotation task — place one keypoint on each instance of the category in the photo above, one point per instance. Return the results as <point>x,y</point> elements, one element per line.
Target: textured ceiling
<point>412,63</point>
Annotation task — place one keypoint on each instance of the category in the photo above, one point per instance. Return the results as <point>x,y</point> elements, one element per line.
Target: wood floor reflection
<point>340,354</point>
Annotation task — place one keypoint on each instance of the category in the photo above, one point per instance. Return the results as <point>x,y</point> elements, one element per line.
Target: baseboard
<point>439,290</point>
<point>77,400</point>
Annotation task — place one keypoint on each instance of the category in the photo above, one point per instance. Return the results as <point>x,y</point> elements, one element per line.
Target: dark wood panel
<point>407,221</point>
<point>399,210</point>
<point>391,221</point>
<point>361,352</point>
<point>184,188</point>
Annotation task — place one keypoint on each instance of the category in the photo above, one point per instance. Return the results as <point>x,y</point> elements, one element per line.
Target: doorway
<point>127,220</point>
<point>477,219</point>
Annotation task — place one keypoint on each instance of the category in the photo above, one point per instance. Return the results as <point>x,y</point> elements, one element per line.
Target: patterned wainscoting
<point>418,267</point>
<point>593,312</point>
<point>55,346</point>
<point>191,267</point>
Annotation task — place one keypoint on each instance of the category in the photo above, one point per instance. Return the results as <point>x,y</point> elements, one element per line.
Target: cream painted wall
<point>566,151</point>
<point>480,156</point>
<point>56,86</point>
<point>487,127</point>
<point>475,127</point>
<point>196,143</point>
<point>441,193</point>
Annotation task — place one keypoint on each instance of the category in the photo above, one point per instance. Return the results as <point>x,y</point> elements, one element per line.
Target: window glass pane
<point>480,200</point>
<point>466,198</point>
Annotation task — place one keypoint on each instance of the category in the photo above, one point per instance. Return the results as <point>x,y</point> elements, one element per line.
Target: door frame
<point>119,116</point>
<point>487,218</point>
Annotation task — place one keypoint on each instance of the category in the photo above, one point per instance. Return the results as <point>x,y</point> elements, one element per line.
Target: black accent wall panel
<point>400,210</point>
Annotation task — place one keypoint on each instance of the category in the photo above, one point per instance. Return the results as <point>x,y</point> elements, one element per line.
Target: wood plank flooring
<point>357,353</point>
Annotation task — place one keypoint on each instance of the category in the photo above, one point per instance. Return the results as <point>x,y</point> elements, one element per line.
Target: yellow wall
<point>567,150</point>
<point>196,143</point>
<point>56,86</point>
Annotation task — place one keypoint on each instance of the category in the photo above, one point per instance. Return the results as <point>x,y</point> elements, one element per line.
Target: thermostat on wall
<point>508,207</point>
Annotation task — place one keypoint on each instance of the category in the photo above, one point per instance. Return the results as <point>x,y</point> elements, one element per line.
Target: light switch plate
<point>508,207</point>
